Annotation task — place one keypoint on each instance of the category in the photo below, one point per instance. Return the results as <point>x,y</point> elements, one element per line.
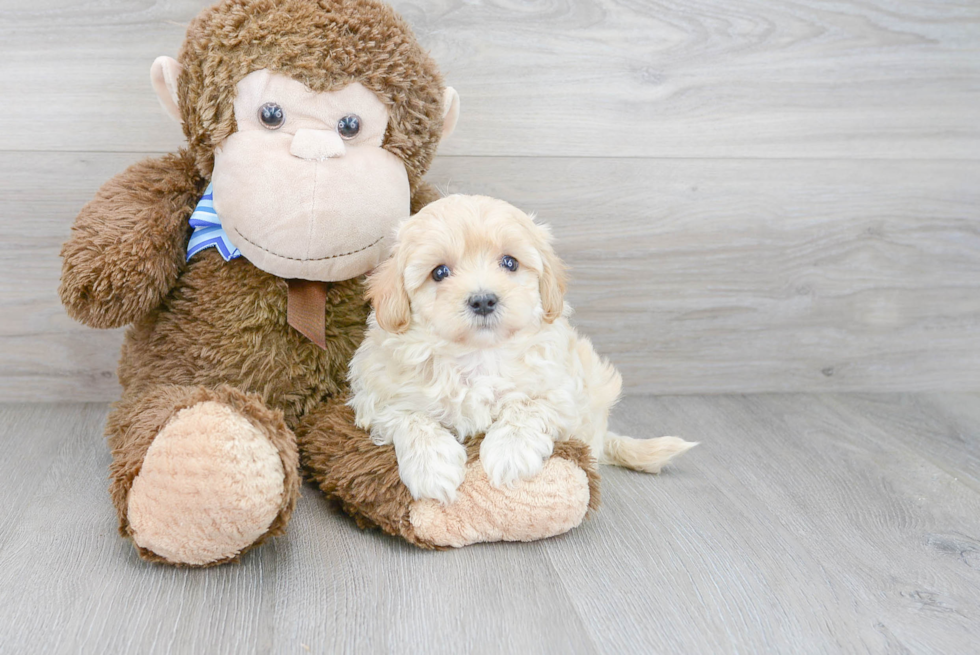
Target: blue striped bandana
<point>208,231</point>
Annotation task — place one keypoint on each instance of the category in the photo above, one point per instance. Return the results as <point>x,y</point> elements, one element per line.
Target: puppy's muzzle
<point>482,304</point>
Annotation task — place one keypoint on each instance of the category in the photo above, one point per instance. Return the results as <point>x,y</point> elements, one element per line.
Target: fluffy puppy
<point>469,335</point>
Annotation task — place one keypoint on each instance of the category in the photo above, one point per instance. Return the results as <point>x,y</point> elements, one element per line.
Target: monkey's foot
<point>210,486</point>
<point>364,477</point>
<point>551,503</point>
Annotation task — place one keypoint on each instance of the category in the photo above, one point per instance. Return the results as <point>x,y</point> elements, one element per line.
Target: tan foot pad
<point>210,485</point>
<point>551,503</point>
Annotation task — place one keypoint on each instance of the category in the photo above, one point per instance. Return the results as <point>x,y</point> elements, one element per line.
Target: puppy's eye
<point>509,263</point>
<point>440,272</point>
<point>271,116</point>
<point>349,126</point>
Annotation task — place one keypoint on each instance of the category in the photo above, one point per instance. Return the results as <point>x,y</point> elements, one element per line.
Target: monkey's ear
<point>386,291</point>
<point>163,75</point>
<point>450,111</point>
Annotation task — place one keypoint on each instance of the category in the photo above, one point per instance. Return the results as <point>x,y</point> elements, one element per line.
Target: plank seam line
<point>150,153</point>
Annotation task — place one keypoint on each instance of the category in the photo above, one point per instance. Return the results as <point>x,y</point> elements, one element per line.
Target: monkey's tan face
<point>304,188</point>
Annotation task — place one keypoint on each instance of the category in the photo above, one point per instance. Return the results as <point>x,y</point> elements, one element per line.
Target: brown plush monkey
<point>310,125</point>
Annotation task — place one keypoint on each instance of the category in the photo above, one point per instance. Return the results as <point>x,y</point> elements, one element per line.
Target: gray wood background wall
<point>754,195</point>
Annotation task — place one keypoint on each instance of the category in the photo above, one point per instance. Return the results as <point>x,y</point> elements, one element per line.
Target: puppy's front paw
<point>510,454</point>
<point>433,469</point>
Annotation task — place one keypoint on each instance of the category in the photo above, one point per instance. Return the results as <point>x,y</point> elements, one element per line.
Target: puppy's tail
<point>647,455</point>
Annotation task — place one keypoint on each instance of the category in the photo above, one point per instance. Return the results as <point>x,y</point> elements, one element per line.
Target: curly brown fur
<point>136,420</point>
<point>128,244</point>
<point>578,453</point>
<point>225,323</point>
<point>325,44</point>
<point>424,194</point>
<point>350,468</point>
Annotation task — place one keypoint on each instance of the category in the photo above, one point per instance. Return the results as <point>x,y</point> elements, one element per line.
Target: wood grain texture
<point>754,196</point>
<point>623,78</point>
<point>809,507</point>
<point>691,275</point>
<point>939,428</point>
<point>803,523</point>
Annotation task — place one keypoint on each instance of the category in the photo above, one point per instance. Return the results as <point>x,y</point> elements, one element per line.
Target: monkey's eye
<point>348,126</point>
<point>271,116</point>
<point>509,263</point>
<point>440,272</point>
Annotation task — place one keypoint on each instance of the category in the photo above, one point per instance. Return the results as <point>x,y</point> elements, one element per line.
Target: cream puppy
<point>469,336</point>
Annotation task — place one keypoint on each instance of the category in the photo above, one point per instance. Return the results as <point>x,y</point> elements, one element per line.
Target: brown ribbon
<point>306,309</point>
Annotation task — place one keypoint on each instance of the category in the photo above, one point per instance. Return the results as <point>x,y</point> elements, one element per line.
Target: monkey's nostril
<point>482,304</point>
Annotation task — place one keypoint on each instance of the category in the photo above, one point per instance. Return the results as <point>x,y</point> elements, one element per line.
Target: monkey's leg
<point>199,476</point>
<point>364,478</point>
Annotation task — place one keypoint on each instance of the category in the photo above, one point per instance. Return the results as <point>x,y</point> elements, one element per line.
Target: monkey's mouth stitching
<point>315,259</point>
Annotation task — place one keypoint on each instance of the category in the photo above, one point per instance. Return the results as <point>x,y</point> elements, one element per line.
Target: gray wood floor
<point>804,523</point>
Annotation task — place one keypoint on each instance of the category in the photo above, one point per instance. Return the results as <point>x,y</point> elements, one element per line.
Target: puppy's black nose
<point>482,304</point>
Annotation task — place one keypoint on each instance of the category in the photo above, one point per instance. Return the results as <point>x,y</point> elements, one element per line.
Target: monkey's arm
<point>129,243</point>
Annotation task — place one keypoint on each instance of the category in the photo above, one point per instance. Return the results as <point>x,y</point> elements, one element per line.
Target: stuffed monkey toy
<point>238,263</point>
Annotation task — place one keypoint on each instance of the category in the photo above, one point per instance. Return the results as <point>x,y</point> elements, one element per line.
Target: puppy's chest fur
<point>473,388</point>
<point>464,392</point>
<point>483,380</point>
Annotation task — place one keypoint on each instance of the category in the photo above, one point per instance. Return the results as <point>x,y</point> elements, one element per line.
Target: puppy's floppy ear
<point>386,291</point>
<point>554,278</point>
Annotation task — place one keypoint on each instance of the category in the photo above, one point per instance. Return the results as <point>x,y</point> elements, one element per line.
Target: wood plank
<point>939,428</point>
<point>692,275</point>
<point>802,523</point>
<point>753,78</point>
<point>34,438</point>
<point>375,594</point>
<point>750,276</point>
<point>69,583</point>
<point>793,527</point>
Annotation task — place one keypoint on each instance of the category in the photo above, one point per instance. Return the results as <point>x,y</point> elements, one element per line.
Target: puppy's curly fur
<point>470,335</point>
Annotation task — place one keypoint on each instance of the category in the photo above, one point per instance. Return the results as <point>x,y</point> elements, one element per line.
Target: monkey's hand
<point>128,244</point>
